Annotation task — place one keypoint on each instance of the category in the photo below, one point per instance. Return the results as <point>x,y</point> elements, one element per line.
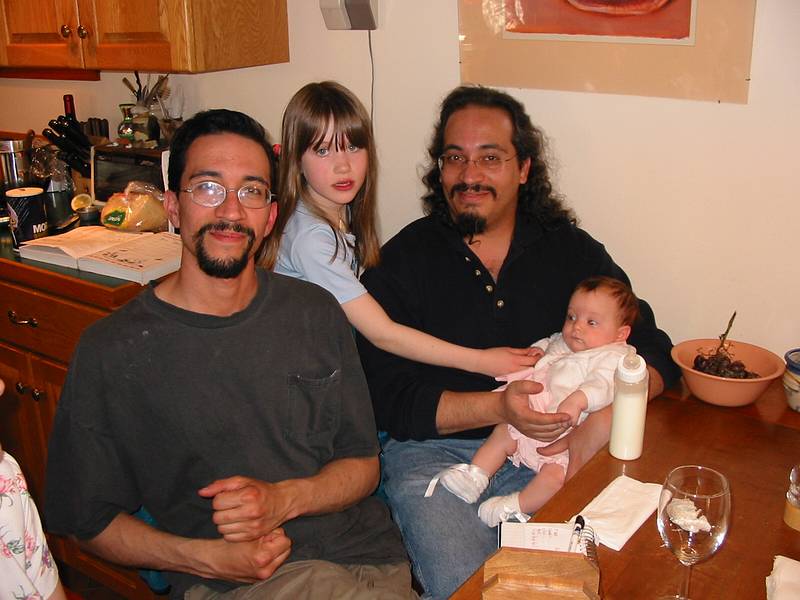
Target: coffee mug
<point>26,209</point>
<point>791,378</point>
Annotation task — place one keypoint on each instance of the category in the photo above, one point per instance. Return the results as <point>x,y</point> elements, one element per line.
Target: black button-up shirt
<point>429,279</point>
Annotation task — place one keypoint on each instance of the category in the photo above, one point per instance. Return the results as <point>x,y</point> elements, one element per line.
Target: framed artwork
<point>633,21</point>
<point>692,49</point>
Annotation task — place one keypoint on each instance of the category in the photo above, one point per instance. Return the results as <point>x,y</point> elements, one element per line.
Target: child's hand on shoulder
<point>501,361</point>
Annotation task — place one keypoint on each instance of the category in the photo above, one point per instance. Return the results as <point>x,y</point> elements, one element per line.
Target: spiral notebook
<point>548,536</point>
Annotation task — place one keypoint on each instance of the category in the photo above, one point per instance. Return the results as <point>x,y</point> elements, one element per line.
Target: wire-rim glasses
<point>212,194</point>
<point>455,162</point>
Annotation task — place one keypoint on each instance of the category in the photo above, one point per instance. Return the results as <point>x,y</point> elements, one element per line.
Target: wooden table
<point>754,446</point>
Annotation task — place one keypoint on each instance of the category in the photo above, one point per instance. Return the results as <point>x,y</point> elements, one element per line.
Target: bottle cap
<point>631,368</point>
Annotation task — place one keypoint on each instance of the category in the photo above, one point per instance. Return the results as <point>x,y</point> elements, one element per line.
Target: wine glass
<point>693,515</point>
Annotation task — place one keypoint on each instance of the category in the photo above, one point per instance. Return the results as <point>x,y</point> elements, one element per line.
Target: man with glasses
<point>230,403</point>
<point>493,263</point>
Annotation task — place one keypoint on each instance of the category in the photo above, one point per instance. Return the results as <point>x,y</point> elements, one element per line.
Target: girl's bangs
<point>347,128</point>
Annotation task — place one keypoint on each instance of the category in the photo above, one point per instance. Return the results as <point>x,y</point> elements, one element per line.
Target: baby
<point>27,569</point>
<point>576,369</point>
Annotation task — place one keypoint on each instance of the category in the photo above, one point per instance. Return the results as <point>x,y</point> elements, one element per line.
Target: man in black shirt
<point>493,264</point>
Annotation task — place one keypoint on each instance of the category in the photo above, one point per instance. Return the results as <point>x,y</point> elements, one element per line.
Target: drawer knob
<point>36,393</point>
<point>66,31</point>
<point>14,318</point>
<point>83,33</point>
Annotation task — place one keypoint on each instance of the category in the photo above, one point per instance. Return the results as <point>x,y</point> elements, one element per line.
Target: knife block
<point>517,573</point>
<point>81,184</point>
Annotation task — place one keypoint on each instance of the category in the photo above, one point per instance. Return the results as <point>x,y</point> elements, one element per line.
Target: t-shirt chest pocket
<point>313,410</point>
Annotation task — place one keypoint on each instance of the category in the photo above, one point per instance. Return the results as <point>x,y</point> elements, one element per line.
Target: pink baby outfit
<point>562,371</point>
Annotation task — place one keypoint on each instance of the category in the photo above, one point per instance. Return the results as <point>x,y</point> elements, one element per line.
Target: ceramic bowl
<point>723,391</point>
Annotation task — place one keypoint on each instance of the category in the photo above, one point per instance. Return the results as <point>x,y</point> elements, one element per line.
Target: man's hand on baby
<point>516,411</point>
<point>582,442</point>
<point>246,509</point>
<point>496,362</point>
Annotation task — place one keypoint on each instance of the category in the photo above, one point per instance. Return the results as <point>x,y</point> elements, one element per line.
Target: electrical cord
<point>372,80</point>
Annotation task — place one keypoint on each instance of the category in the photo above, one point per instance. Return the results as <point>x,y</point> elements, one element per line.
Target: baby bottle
<point>629,408</point>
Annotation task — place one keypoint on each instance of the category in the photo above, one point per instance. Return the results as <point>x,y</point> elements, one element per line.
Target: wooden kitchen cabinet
<point>188,36</point>
<point>27,410</point>
<point>43,311</point>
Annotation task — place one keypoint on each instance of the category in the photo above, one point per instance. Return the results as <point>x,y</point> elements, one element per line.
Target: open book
<point>138,257</point>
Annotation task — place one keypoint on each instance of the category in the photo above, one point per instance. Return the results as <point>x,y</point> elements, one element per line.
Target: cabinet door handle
<point>65,31</point>
<point>21,387</point>
<point>83,33</point>
<point>37,394</point>
<point>14,318</point>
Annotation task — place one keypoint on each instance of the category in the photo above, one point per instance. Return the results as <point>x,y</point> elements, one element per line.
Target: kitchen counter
<point>98,290</point>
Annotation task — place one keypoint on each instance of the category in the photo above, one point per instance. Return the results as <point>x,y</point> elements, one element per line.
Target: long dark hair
<point>536,196</point>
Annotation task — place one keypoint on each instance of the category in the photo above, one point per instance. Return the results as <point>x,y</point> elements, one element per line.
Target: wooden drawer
<point>42,323</point>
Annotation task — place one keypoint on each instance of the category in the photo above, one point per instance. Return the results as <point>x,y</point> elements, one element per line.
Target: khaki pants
<point>318,580</point>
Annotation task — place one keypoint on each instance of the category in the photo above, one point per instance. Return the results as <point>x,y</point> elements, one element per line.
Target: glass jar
<point>125,130</point>
<point>791,514</point>
<point>145,124</point>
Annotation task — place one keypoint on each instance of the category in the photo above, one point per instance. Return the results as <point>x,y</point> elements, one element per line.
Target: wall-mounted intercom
<point>350,14</point>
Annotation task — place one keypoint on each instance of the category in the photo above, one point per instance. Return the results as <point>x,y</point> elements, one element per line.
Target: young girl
<point>326,234</point>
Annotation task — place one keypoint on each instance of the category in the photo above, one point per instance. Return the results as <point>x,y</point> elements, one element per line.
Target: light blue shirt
<point>307,252</point>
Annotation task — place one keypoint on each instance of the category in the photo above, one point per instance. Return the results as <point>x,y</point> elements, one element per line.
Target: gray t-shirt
<point>160,402</point>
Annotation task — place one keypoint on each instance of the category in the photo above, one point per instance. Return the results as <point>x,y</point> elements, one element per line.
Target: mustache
<point>475,187</point>
<point>225,226</point>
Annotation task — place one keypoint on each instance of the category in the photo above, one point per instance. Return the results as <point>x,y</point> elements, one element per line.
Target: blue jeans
<point>445,539</point>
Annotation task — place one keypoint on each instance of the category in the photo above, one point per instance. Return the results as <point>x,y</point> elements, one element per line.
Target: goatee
<point>466,223</point>
<point>220,268</point>
<point>469,225</point>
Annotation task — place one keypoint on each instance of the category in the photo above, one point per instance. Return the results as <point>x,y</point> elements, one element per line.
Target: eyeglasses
<point>211,194</point>
<point>455,162</point>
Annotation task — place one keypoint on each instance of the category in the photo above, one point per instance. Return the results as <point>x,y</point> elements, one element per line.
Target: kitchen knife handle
<point>72,131</point>
<point>76,163</point>
<point>69,141</point>
<point>52,136</point>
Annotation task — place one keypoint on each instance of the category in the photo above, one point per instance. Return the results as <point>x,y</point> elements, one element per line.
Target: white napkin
<point>620,509</point>
<point>784,581</point>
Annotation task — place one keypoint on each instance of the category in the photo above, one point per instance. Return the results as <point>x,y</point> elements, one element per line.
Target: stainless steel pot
<point>14,164</point>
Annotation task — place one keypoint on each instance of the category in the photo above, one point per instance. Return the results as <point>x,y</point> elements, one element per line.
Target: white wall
<point>694,199</point>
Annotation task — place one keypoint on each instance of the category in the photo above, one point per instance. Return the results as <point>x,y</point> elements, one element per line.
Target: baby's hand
<point>503,360</point>
<point>574,405</point>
